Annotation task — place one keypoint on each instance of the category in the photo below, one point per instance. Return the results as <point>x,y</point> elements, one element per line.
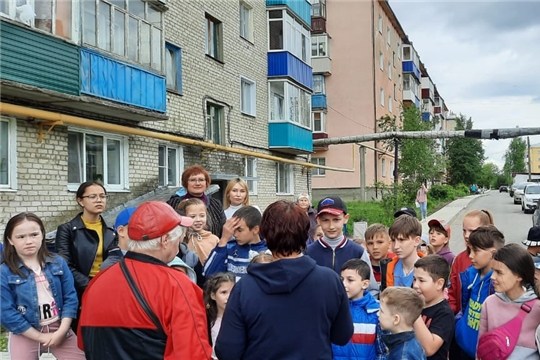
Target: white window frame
<point>248,96</point>
<point>124,160</point>
<point>380,24</point>
<point>395,91</point>
<point>389,70</point>
<point>296,38</point>
<point>322,120</point>
<point>213,28</point>
<point>246,21</point>
<point>301,113</point>
<point>383,167</point>
<point>381,91</point>
<point>388,37</point>
<point>316,42</point>
<point>391,168</point>
<point>316,171</point>
<point>251,162</point>
<point>178,164</point>
<point>215,110</point>
<point>318,8</point>
<point>381,61</point>
<point>320,80</point>
<point>11,160</point>
<point>288,176</point>
<point>390,104</point>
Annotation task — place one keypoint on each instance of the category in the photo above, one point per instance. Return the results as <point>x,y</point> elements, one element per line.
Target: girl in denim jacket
<point>39,300</point>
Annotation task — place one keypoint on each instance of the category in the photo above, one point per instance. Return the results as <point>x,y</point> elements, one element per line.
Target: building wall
<point>42,166</point>
<point>534,155</point>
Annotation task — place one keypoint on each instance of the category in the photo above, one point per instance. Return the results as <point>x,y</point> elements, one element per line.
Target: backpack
<point>500,342</point>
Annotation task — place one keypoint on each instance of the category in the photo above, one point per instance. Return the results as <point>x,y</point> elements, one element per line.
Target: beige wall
<point>353,89</point>
<point>535,159</point>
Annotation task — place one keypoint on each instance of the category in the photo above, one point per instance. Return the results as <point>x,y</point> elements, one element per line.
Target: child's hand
<point>56,338</point>
<point>228,230</point>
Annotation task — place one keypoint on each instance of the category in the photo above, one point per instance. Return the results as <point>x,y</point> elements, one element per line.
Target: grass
<point>3,339</point>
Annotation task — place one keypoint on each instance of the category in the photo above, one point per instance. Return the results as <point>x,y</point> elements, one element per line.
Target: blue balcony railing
<point>318,101</point>
<point>284,63</point>
<point>302,8</point>
<point>410,67</point>
<point>289,137</point>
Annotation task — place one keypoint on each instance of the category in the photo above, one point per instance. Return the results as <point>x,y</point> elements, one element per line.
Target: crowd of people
<point>193,279</point>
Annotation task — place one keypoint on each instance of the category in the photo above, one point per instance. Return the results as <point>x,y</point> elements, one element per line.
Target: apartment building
<point>357,79</point>
<point>534,156</point>
<point>433,107</point>
<point>130,92</point>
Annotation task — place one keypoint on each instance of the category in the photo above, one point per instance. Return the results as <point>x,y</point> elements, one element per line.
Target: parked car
<point>536,215</point>
<point>531,195</point>
<point>511,189</point>
<point>503,188</point>
<point>518,193</point>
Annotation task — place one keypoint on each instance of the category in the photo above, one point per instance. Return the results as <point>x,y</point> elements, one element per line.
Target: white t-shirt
<point>48,310</point>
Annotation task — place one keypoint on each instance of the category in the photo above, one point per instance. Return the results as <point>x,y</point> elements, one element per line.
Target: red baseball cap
<point>154,219</point>
<point>440,224</point>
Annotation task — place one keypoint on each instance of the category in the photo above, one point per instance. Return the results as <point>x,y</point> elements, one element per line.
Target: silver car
<point>518,193</point>
<point>530,197</point>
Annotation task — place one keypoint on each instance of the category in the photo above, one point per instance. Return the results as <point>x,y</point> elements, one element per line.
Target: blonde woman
<point>236,196</point>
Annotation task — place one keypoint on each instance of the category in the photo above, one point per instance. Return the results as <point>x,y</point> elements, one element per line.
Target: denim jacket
<point>403,346</point>
<point>19,306</point>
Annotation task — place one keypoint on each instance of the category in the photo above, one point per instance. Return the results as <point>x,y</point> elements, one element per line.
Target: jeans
<point>423,210</point>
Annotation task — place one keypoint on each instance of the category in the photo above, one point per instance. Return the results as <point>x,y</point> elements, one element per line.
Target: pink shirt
<point>48,312</point>
<point>421,195</point>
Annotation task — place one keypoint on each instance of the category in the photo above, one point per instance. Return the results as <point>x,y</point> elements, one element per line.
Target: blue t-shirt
<point>399,276</point>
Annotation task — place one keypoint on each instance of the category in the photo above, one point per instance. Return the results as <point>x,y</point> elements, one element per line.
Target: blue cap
<point>123,218</point>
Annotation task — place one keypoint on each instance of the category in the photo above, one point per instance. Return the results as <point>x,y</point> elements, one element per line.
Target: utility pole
<point>529,157</point>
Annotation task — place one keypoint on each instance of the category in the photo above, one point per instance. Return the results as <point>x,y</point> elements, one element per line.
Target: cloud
<point>483,57</point>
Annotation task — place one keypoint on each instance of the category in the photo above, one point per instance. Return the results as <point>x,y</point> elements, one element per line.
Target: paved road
<point>509,219</point>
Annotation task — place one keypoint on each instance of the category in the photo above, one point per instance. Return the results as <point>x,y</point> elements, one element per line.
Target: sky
<point>484,57</point>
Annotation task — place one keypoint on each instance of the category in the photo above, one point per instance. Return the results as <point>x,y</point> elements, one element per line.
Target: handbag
<point>499,343</point>
<point>142,301</point>
<point>417,204</point>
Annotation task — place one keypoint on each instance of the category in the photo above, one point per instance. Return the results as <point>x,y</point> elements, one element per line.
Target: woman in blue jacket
<point>39,300</point>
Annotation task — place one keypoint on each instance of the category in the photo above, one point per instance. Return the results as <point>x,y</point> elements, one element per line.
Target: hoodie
<point>502,309</point>
<point>233,258</point>
<point>474,291</point>
<point>447,254</point>
<point>366,343</point>
<point>286,309</point>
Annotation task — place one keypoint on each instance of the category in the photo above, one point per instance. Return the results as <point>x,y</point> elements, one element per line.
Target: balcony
<point>437,110</point>
<point>318,25</point>
<point>426,116</point>
<point>318,101</point>
<point>302,8</point>
<point>285,64</point>
<point>409,96</point>
<point>108,78</point>
<point>290,138</point>
<point>410,67</point>
<point>321,65</point>
<point>31,58</point>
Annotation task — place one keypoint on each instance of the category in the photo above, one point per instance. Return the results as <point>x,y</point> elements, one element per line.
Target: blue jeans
<point>423,210</point>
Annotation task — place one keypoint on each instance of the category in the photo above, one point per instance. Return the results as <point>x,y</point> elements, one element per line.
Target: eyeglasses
<point>95,197</point>
<point>197,180</point>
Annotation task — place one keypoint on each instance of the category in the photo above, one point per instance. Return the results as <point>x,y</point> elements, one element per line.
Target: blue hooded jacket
<point>474,291</point>
<point>366,341</point>
<point>288,309</point>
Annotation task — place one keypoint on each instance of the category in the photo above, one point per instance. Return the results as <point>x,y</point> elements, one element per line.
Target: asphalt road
<point>509,219</point>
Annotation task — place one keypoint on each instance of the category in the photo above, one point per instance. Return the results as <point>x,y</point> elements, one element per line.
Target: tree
<point>465,156</point>
<point>514,158</point>
<point>418,160</point>
<point>489,175</point>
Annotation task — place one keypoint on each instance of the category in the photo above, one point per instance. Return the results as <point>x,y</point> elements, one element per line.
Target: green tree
<point>514,158</point>
<point>465,156</point>
<point>488,176</point>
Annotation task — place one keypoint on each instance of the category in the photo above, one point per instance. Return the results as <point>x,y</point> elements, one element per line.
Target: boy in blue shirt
<point>334,249</point>
<point>366,341</point>
<point>400,307</point>
<point>234,255</point>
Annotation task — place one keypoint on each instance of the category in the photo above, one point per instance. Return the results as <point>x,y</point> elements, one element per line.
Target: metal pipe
<point>59,119</point>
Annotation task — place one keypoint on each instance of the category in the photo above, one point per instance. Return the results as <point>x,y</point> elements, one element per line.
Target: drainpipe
<point>55,118</point>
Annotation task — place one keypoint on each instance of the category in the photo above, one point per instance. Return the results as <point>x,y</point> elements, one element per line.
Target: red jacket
<point>113,325</point>
<point>460,264</point>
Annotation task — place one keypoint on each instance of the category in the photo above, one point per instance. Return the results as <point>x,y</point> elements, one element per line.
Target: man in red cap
<point>140,308</point>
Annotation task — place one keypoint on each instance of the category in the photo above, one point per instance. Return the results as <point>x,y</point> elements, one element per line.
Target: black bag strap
<point>140,298</point>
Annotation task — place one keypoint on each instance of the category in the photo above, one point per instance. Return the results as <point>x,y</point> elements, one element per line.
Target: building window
<point>214,38</point>
<point>398,50</point>
<point>289,103</point>
<point>382,96</point>
<point>251,172</point>
<point>390,71</point>
<point>53,16</point>
<point>246,22</point>
<point>318,84</point>
<point>173,67</point>
<point>391,168</point>
<point>393,58</point>
<point>388,37</point>
<point>285,179</point>
<point>390,104</point>
<point>399,81</point>
<point>316,171</point>
<point>395,91</point>
<point>247,96</point>
<point>406,83</point>
<point>171,165</point>
<point>215,124</point>
<point>383,167</point>
<point>318,8</point>
<point>8,153</point>
<point>94,156</point>
<point>296,39</point>
<point>407,53</point>
<point>380,24</point>
<point>319,121</point>
<point>381,61</point>
<point>319,46</point>
<point>131,29</point>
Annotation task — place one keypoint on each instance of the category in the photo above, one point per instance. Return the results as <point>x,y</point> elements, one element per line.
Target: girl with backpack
<point>510,316</point>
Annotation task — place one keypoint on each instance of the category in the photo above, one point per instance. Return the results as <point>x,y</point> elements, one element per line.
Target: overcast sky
<point>484,57</point>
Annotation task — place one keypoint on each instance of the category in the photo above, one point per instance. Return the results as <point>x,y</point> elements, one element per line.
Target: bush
<point>462,190</point>
<point>442,192</point>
